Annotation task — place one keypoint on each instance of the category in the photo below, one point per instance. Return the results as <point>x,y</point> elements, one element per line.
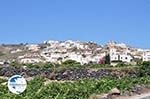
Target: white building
<point>120,56</point>
<point>30,60</point>
<point>33,47</point>
<point>146,56</point>
<point>74,56</point>
<point>16,51</point>
<point>126,58</point>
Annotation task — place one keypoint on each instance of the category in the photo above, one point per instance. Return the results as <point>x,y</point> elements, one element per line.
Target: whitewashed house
<point>126,58</point>
<point>30,60</point>
<point>33,47</point>
<point>146,56</point>
<point>120,56</point>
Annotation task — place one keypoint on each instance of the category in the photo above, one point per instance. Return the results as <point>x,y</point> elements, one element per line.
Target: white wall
<point>146,56</point>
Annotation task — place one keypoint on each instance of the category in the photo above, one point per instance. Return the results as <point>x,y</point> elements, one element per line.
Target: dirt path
<point>142,96</point>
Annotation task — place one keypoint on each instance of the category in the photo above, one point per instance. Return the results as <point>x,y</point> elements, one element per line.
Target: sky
<point>34,21</point>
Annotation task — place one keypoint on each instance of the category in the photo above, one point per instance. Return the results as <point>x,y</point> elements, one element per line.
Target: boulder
<point>114,91</point>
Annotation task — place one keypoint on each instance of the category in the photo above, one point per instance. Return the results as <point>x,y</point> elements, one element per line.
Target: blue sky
<point>35,21</point>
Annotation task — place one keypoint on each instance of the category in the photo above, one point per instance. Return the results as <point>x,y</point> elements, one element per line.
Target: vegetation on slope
<point>81,89</point>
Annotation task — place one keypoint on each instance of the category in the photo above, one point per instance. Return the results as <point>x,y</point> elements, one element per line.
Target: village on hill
<point>82,52</point>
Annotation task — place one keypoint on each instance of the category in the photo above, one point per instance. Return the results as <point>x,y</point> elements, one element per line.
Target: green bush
<point>48,65</point>
<point>121,64</point>
<point>1,54</point>
<point>71,64</point>
<point>99,65</point>
<point>15,64</point>
<point>146,63</point>
<point>144,69</point>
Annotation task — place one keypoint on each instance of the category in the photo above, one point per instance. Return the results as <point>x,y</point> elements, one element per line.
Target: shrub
<point>99,65</point>
<point>14,64</point>
<point>144,69</point>
<point>71,63</point>
<point>48,65</point>
<point>121,64</point>
<point>1,54</point>
<point>81,89</point>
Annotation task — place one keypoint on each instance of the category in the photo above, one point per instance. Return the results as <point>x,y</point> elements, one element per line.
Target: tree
<point>107,59</point>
